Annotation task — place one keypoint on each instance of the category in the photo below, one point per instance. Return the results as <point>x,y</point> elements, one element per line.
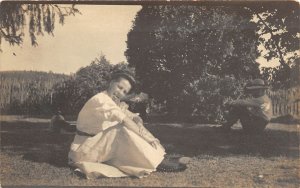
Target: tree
<point>281,77</point>
<point>173,46</point>
<point>279,24</point>
<point>27,92</point>
<point>41,18</point>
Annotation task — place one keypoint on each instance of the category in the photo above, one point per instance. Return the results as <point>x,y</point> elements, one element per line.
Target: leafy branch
<point>41,18</point>
<point>271,32</point>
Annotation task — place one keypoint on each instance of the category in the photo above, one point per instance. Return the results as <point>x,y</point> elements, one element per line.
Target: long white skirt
<point>115,152</point>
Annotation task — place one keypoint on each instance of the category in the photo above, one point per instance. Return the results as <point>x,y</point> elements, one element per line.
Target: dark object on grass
<point>171,165</point>
<point>80,174</point>
<point>58,124</point>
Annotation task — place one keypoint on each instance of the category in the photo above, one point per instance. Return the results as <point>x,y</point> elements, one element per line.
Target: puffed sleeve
<point>112,112</point>
<point>98,114</point>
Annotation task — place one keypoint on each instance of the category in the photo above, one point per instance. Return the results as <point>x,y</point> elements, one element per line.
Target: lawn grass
<point>32,155</point>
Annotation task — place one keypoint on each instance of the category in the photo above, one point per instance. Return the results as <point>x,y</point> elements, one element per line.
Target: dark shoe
<point>79,174</point>
<point>171,165</point>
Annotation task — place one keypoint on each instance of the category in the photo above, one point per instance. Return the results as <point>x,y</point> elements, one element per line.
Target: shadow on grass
<point>206,141</point>
<point>36,143</point>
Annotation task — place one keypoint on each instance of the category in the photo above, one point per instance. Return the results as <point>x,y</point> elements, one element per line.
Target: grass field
<point>32,155</point>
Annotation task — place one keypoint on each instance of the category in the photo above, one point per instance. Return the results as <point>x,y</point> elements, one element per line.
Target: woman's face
<point>119,88</point>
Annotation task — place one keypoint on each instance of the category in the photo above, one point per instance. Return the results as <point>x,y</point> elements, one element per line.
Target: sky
<point>100,29</point>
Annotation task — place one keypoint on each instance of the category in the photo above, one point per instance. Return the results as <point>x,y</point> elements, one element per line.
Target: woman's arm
<point>134,123</point>
<point>139,129</point>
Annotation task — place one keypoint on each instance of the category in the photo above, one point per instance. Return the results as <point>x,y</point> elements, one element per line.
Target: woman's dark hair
<point>122,74</point>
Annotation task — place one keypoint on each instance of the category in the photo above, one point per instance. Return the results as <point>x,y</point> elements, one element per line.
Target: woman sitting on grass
<point>110,140</point>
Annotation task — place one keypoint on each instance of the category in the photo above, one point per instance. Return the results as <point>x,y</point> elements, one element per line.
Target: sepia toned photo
<point>149,93</point>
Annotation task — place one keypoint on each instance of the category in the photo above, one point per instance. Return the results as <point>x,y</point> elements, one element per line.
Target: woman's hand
<point>140,130</point>
<point>155,143</point>
<point>123,106</point>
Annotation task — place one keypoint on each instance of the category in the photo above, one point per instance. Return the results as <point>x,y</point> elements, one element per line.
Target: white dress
<point>107,148</point>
